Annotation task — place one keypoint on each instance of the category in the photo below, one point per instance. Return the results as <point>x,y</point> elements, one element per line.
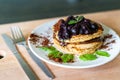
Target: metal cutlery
<point>24,65</point>
<point>20,40</point>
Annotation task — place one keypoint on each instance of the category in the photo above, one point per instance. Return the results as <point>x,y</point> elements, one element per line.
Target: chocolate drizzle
<point>106,45</point>
<point>39,40</point>
<point>98,39</point>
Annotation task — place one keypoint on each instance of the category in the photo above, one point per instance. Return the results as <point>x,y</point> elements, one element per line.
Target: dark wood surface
<point>22,10</point>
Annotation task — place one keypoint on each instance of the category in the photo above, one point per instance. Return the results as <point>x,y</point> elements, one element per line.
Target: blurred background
<point>23,10</point>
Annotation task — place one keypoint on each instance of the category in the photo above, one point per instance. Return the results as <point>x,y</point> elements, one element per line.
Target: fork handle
<point>40,63</point>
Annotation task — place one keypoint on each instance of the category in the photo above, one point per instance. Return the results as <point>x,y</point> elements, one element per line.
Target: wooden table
<point>10,69</point>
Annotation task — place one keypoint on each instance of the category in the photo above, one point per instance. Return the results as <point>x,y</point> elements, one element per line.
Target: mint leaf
<point>57,55</point>
<point>102,53</point>
<point>67,57</point>
<point>79,18</point>
<point>72,22</point>
<point>86,57</point>
<point>83,58</point>
<point>48,49</point>
<point>64,58</point>
<point>70,57</point>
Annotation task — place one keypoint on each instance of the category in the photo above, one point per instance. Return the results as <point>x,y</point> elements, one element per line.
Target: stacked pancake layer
<point>78,44</point>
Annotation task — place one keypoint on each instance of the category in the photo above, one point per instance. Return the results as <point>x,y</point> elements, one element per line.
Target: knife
<point>40,63</point>
<point>24,65</point>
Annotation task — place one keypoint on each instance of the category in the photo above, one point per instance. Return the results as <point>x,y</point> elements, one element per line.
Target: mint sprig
<point>87,57</point>
<point>48,49</point>
<point>102,53</point>
<point>72,22</point>
<point>77,19</point>
<point>67,57</point>
<point>54,53</point>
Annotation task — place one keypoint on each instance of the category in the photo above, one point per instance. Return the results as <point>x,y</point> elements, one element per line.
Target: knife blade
<point>24,65</point>
<point>40,63</point>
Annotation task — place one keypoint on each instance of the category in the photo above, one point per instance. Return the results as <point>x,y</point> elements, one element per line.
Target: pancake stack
<point>77,35</point>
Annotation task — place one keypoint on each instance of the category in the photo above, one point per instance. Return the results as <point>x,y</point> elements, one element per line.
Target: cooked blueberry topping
<point>75,26</point>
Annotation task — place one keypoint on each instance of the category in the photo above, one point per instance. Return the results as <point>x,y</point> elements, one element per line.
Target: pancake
<point>78,44</point>
<point>82,45</point>
<point>78,49</point>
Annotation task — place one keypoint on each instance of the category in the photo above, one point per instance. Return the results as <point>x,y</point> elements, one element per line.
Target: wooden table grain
<point>10,67</point>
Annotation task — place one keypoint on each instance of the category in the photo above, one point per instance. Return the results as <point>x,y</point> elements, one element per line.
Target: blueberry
<point>63,33</point>
<point>62,25</point>
<point>83,27</point>
<point>81,31</point>
<point>66,35</point>
<point>69,18</point>
<point>75,30</point>
<point>94,26</point>
<point>62,21</point>
<point>86,32</point>
<point>60,35</point>
<point>69,27</point>
<point>87,20</point>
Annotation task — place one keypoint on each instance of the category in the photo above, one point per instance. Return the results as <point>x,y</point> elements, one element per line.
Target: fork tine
<point>17,34</point>
<point>13,36</point>
<point>20,33</point>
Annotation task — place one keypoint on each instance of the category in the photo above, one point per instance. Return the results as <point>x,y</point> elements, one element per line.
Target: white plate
<point>114,51</point>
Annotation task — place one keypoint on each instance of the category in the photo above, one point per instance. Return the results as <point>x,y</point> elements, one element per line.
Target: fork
<point>19,39</point>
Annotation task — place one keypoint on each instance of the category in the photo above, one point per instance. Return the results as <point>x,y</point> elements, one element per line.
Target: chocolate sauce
<point>39,40</point>
<point>108,36</point>
<point>98,39</point>
<point>106,45</point>
<point>45,41</point>
<point>113,41</point>
<point>55,59</point>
